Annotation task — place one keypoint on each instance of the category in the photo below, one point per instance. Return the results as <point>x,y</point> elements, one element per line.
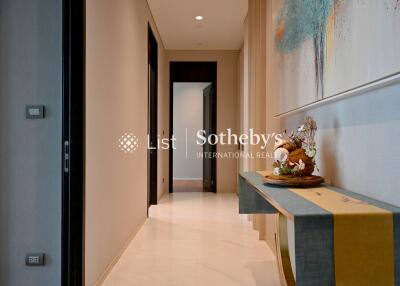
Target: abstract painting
<point>327,47</point>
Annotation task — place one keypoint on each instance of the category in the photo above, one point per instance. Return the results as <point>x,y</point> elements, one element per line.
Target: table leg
<point>282,250</point>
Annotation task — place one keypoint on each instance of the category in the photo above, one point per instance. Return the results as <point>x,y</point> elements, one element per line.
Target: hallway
<point>196,239</point>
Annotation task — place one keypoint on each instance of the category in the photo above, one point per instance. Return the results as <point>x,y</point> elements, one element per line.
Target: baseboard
<point>110,266</point>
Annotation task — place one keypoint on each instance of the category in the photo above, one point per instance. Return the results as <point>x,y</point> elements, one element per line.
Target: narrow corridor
<point>196,239</point>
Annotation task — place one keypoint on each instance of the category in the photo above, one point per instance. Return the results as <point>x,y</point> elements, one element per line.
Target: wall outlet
<point>35,259</point>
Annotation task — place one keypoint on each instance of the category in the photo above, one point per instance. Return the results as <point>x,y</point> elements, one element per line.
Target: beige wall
<point>116,183</point>
<point>227,92</point>
<point>271,104</point>
<point>163,117</point>
<point>257,74</point>
<point>262,98</point>
<point>243,101</point>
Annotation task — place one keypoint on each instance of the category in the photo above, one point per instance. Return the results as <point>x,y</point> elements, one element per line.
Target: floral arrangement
<point>294,155</point>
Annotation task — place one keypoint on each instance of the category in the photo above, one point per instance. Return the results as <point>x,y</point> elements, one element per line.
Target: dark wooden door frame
<point>152,118</point>
<point>73,144</point>
<point>191,71</point>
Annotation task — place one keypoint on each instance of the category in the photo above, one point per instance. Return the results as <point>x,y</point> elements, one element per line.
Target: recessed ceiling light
<point>199,18</point>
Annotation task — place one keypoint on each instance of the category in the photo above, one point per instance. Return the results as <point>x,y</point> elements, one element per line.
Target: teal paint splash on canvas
<point>301,20</point>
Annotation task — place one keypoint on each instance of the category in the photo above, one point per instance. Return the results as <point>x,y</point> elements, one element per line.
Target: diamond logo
<point>128,143</point>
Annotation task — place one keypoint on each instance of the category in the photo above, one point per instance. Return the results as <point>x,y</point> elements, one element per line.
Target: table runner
<point>363,237</point>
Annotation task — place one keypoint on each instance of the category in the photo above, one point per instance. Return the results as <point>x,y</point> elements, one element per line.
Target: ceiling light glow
<point>199,18</point>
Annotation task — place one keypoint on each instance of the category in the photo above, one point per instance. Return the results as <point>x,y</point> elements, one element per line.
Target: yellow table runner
<point>363,238</point>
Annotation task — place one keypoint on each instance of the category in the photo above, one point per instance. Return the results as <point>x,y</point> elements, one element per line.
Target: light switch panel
<point>34,111</point>
<point>35,259</point>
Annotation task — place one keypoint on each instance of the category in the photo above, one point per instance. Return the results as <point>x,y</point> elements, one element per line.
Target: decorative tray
<point>293,181</point>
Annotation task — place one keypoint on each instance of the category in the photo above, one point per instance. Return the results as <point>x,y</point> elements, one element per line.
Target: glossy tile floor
<point>196,239</point>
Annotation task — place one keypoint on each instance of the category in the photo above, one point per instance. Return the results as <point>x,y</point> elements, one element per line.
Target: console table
<point>320,244</point>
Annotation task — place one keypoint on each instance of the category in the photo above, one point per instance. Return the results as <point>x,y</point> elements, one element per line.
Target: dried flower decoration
<point>296,154</point>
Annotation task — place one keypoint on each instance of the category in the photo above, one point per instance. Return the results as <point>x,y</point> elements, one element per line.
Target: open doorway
<point>188,119</point>
<point>192,109</point>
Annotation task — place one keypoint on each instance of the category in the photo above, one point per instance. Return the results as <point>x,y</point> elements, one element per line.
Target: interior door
<point>209,120</point>
<point>73,145</point>
<point>152,119</point>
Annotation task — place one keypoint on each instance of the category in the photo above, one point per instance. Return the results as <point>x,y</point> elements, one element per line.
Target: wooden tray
<point>292,181</point>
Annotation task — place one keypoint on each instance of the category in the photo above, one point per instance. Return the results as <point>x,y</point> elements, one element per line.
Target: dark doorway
<point>209,167</point>
<point>198,72</point>
<point>73,149</point>
<point>152,118</point>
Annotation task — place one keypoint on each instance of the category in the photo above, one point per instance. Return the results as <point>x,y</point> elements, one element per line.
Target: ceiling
<point>221,29</point>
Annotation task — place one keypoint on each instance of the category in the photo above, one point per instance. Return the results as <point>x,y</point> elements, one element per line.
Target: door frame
<point>73,153</point>
<point>191,71</point>
<point>152,193</point>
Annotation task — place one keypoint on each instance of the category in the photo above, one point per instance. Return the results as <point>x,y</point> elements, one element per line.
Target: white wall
<point>117,101</point>
<point>227,93</point>
<point>356,143</point>
<point>187,120</point>
<point>30,150</point>
<point>355,137</point>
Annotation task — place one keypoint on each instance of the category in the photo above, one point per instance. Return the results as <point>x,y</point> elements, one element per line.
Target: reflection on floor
<point>187,185</point>
<point>196,239</point>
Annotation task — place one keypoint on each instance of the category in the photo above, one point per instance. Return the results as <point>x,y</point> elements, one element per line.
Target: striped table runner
<point>363,237</point>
